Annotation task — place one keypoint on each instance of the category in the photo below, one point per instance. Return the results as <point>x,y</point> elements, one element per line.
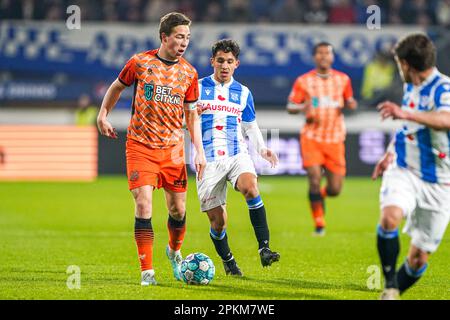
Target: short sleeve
<point>128,74</point>
<point>348,90</point>
<point>442,97</point>
<point>191,94</point>
<point>249,114</point>
<point>297,94</point>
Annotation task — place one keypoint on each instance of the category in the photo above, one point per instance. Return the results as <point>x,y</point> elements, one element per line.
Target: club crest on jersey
<point>424,102</point>
<point>234,96</point>
<point>161,94</point>
<point>148,91</point>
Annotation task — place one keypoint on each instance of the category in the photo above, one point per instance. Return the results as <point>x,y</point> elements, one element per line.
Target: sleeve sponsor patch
<point>445,99</point>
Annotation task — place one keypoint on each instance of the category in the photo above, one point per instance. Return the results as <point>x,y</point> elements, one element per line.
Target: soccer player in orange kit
<point>321,94</point>
<point>165,90</point>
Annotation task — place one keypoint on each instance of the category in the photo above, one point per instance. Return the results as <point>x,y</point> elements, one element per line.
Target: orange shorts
<point>329,155</point>
<point>156,167</point>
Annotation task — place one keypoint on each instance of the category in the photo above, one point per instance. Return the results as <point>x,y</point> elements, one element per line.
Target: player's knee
<point>251,192</point>
<point>218,226</point>
<point>314,186</point>
<point>390,219</point>
<point>143,208</point>
<point>417,259</point>
<point>177,210</point>
<point>334,191</point>
<point>388,223</point>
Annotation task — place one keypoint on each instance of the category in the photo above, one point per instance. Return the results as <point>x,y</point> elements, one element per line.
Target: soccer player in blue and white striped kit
<point>416,166</point>
<point>227,107</point>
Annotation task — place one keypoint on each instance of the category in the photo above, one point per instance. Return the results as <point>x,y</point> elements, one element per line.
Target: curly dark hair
<point>319,45</point>
<point>226,45</point>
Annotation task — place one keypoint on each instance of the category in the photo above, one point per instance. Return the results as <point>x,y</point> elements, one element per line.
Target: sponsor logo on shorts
<point>208,199</point>
<point>180,183</point>
<point>134,175</point>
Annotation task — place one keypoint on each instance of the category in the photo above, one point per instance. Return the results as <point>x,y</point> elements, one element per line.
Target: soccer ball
<point>197,268</point>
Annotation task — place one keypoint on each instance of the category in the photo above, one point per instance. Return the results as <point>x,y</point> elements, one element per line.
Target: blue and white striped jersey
<point>224,107</point>
<point>423,150</point>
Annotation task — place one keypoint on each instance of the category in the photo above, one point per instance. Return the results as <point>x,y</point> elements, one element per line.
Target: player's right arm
<point>385,161</point>
<point>125,79</point>
<point>108,103</point>
<point>297,99</point>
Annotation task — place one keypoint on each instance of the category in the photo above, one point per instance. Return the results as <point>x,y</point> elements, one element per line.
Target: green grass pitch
<point>46,227</point>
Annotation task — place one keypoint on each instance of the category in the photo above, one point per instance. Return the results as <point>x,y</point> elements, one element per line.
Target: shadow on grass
<point>253,290</point>
<point>318,285</point>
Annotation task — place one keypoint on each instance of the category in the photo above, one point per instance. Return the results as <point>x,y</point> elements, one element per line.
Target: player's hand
<point>389,109</point>
<point>199,110</point>
<point>106,129</point>
<point>270,156</point>
<point>294,108</point>
<point>351,104</point>
<point>200,164</point>
<point>382,165</point>
<point>310,117</point>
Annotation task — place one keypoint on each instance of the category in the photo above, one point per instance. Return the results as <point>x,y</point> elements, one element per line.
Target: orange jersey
<point>326,95</point>
<point>160,90</point>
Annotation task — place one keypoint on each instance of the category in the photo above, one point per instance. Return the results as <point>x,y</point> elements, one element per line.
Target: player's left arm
<point>252,131</point>
<point>438,119</point>
<point>194,127</point>
<point>349,101</point>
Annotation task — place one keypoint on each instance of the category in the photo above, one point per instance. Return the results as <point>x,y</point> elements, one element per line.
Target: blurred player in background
<point>226,108</point>
<point>86,112</point>
<point>321,94</point>
<point>166,88</point>
<point>416,166</point>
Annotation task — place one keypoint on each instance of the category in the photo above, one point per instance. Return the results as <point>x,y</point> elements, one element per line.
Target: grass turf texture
<point>46,227</point>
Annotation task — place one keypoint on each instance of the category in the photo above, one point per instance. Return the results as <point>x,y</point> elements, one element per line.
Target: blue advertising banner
<point>272,56</point>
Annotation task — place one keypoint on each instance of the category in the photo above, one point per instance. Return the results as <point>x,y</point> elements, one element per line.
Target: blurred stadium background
<point>50,75</point>
<point>52,81</point>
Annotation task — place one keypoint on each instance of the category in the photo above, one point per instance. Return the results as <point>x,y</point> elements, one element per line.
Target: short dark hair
<point>226,45</point>
<point>172,20</point>
<point>321,44</point>
<point>417,50</point>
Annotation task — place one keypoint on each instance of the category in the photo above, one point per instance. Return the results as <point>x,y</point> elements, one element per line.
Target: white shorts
<point>426,206</point>
<point>212,189</point>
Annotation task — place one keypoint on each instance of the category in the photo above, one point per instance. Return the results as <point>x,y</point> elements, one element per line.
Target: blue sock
<point>388,249</point>
<point>220,241</point>
<point>406,276</point>
<point>259,222</point>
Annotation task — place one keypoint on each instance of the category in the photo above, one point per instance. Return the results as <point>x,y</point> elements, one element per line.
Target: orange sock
<point>317,209</point>
<point>177,229</point>
<point>323,192</point>
<point>318,214</point>
<point>143,234</point>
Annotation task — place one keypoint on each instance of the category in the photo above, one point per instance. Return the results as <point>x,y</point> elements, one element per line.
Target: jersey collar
<point>167,62</point>
<point>430,78</point>
<point>217,83</point>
